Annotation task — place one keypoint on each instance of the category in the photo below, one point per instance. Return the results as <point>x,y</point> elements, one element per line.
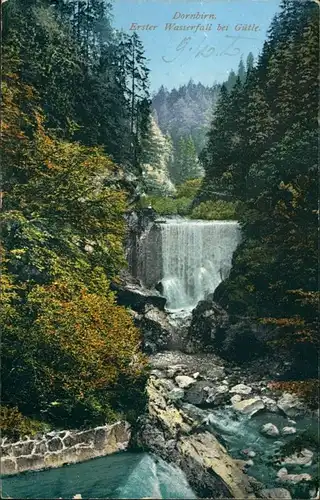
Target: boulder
<point>249,406</point>
<point>249,453</point>
<point>176,394</point>
<point>270,404</point>
<point>217,395</point>
<point>275,494</point>
<point>235,399</point>
<point>184,381</point>
<point>242,341</point>
<point>197,415</point>
<point>291,405</point>
<point>284,476</point>
<point>270,430</point>
<point>210,470</point>
<point>221,389</point>
<point>156,330</point>
<point>197,393</point>
<point>208,322</point>
<point>166,383</point>
<point>206,393</point>
<point>241,389</point>
<point>287,431</point>
<point>303,457</point>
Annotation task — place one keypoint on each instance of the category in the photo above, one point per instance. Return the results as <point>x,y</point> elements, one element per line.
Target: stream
<point>240,433</point>
<point>122,475</point>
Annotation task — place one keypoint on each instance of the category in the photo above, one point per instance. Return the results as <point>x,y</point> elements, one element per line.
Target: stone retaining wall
<point>58,448</point>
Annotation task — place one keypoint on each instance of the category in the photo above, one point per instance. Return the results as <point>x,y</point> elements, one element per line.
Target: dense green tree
<point>186,164</point>
<point>249,62</point>
<point>215,156</point>
<point>241,71</point>
<point>262,148</point>
<point>232,78</point>
<point>91,80</point>
<point>133,64</point>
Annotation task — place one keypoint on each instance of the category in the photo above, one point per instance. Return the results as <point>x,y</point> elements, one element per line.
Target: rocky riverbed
<point>225,432</point>
<point>212,408</point>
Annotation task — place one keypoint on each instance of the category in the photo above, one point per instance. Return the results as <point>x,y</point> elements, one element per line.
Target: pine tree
<point>83,73</point>
<point>157,155</point>
<point>186,164</point>
<point>133,63</point>
<point>241,72</point>
<point>232,78</point>
<point>249,62</point>
<point>263,149</point>
<point>215,157</point>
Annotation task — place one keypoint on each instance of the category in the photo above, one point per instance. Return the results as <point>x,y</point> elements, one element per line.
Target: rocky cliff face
<point>143,242</point>
<point>157,332</point>
<point>237,339</point>
<point>208,325</point>
<point>147,308</point>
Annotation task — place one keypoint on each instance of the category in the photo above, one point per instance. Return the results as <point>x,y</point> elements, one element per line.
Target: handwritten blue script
<point>206,51</point>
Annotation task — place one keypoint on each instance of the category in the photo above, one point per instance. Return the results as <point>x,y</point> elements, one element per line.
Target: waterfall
<point>196,257</point>
<point>189,257</point>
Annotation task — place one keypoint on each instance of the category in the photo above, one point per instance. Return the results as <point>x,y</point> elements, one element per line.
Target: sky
<point>208,55</point>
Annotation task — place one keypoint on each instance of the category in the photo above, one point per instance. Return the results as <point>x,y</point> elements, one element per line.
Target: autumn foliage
<point>70,355</point>
<point>304,389</point>
<point>14,424</point>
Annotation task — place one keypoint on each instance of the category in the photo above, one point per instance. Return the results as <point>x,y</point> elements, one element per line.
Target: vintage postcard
<point>159,249</point>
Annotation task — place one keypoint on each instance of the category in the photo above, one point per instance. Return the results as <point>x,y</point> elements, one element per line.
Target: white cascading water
<point>196,257</point>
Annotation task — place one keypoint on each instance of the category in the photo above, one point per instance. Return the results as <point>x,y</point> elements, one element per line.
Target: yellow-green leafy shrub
<point>14,424</point>
<point>215,210</point>
<point>189,189</point>
<point>167,206</point>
